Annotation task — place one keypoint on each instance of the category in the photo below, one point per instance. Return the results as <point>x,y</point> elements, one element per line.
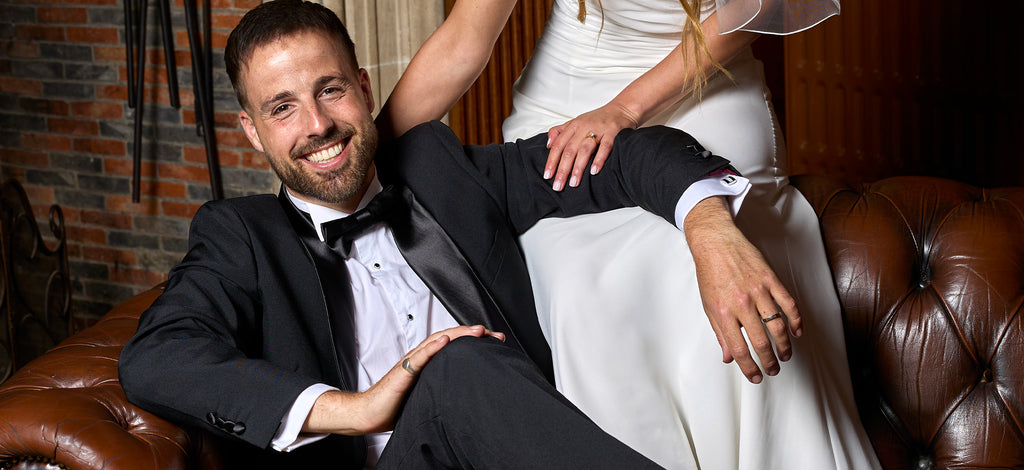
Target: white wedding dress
<point>617,293</point>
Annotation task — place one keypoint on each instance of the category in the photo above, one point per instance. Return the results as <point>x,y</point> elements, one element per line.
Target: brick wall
<point>66,132</point>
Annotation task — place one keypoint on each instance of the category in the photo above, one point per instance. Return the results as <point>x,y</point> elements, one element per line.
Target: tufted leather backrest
<point>930,275</point>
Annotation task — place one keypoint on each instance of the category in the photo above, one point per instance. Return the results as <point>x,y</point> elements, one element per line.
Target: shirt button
<point>376,265</point>
<point>409,316</point>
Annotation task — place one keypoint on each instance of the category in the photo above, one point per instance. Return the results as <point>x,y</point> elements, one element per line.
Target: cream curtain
<point>387,33</point>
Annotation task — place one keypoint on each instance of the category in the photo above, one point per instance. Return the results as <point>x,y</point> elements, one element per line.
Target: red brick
<point>109,54</point>
<point>112,92</point>
<point>25,157</point>
<point>74,251</point>
<point>71,215</point>
<point>108,255</point>
<point>62,15</point>
<point>226,21</point>
<point>247,4</point>
<point>181,39</point>
<point>221,5</point>
<point>18,48</point>
<point>97,110</point>
<point>107,219</point>
<point>136,276</point>
<point>25,86</point>
<point>122,166</point>
<point>15,172</point>
<point>255,160</point>
<point>81,234</point>
<point>183,58</point>
<point>221,120</point>
<point>183,172</point>
<point>91,2</point>
<point>39,194</point>
<point>179,209</point>
<point>225,157</point>
<point>41,106</point>
<point>40,32</point>
<point>100,146</point>
<point>73,126</point>
<point>46,142</point>
<point>163,189</point>
<point>92,35</point>
<point>232,138</point>
<point>220,40</point>
<point>124,204</point>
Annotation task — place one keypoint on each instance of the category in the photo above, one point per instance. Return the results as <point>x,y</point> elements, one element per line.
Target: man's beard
<point>341,183</point>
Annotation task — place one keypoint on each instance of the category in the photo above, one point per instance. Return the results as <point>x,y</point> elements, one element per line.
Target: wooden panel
<point>477,117</point>
<point>908,87</point>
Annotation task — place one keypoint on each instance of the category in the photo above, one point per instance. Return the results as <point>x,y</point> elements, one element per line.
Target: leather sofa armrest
<point>66,409</point>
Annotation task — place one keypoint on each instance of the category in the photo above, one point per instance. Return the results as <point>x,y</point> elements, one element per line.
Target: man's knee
<point>466,355</point>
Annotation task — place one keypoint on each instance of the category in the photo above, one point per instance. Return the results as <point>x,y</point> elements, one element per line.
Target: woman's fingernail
<point>547,174</point>
<point>557,186</point>
<point>574,181</point>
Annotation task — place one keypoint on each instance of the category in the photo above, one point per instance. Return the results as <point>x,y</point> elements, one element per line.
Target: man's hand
<point>376,409</point>
<point>738,290</point>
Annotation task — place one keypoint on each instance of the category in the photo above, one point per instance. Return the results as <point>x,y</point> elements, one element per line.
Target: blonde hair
<point>691,29</point>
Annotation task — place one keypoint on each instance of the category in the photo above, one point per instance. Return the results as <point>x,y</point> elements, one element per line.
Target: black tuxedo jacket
<point>244,325</point>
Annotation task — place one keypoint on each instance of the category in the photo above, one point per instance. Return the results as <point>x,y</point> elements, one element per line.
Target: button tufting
<point>925,462</point>
<point>986,376</point>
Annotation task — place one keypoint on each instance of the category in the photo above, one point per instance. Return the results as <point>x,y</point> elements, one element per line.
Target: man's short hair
<point>273,20</point>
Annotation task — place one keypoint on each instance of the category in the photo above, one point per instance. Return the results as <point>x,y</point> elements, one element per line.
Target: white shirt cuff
<point>287,438</point>
<point>734,187</point>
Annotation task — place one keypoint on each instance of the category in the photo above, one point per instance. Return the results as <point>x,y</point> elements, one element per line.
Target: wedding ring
<point>767,319</point>
<point>594,136</point>
<point>408,368</point>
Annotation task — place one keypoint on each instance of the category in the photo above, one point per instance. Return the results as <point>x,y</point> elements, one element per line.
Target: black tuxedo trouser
<point>482,404</point>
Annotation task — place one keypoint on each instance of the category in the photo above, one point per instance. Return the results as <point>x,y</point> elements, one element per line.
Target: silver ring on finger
<point>408,367</point>
<point>769,318</point>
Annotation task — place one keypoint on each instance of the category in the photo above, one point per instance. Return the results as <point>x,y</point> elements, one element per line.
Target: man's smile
<point>327,154</point>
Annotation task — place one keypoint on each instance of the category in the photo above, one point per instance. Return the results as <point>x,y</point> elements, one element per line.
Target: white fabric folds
<point>773,16</point>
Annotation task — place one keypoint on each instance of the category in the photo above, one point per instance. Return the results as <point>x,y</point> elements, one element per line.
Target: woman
<point>603,66</point>
<point>645,366</point>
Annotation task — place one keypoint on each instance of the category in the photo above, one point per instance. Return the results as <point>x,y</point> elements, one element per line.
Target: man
<point>303,347</point>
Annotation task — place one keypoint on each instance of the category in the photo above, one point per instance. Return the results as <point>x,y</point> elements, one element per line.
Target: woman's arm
<point>445,66</point>
<point>651,93</point>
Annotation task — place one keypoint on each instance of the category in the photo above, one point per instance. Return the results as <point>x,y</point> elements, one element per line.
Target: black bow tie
<point>339,233</point>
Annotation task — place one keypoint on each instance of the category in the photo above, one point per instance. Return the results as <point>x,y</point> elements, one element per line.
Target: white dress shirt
<point>395,311</point>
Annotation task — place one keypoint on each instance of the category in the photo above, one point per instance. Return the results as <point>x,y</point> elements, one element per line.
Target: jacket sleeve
<point>195,358</point>
<point>649,167</point>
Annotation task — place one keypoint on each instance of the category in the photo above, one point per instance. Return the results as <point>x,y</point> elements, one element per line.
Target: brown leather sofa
<point>930,274</point>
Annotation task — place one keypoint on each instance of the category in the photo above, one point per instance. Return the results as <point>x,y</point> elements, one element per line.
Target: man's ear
<point>250,130</point>
<point>364,84</point>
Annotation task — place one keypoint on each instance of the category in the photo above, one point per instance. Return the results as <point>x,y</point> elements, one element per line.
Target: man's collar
<point>321,214</point>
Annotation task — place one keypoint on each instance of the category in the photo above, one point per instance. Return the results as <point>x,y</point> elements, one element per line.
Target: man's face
<point>309,112</point>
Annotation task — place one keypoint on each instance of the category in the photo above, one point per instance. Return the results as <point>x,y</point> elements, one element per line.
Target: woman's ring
<point>594,136</point>
<point>408,368</point>
<point>767,319</point>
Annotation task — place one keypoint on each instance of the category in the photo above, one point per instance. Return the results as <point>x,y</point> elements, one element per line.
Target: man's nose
<point>318,122</point>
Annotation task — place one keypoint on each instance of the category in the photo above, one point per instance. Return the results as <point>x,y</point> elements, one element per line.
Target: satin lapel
<point>438,262</point>
<point>336,290</point>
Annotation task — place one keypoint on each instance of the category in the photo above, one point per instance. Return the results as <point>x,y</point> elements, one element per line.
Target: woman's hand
<point>571,144</point>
